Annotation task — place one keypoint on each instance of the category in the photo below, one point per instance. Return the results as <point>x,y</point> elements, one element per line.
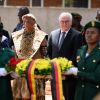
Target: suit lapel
<point>83,54</point>
<point>55,39</point>
<point>57,36</point>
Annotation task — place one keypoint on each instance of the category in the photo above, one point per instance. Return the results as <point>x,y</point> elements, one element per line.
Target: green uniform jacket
<point>88,84</point>
<point>5,85</point>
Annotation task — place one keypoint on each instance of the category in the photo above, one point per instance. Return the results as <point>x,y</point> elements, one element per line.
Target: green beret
<point>76,16</point>
<point>95,24</point>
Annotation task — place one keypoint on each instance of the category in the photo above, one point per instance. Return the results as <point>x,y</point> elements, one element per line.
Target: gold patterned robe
<point>26,45</point>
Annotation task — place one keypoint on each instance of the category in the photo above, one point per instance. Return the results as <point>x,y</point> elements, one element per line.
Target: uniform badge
<point>78,58</point>
<point>94,61</point>
<point>93,23</point>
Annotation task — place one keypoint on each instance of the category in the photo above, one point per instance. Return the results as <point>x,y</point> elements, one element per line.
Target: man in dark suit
<point>64,42</point>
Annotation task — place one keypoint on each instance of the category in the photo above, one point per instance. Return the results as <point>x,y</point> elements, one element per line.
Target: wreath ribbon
<point>31,79</point>
<point>57,80</point>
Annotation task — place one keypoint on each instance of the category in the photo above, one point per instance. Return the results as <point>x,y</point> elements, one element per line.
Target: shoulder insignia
<point>78,58</point>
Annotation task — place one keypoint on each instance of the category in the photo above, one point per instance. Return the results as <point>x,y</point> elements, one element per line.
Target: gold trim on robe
<point>38,38</point>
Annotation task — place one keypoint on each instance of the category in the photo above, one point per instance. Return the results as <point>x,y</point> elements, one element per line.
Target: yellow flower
<point>43,66</point>
<point>21,67</point>
<point>64,63</point>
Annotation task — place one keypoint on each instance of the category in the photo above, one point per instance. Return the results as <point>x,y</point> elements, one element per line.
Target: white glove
<point>3,72</point>
<point>14,75</point>
<point>72,71</point>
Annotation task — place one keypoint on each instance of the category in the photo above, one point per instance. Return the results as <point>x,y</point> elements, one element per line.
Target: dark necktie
<point>61,39</point>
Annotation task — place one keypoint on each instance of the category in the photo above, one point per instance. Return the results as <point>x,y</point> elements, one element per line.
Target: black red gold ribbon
<point>31,80</point>
<point>57,78</point>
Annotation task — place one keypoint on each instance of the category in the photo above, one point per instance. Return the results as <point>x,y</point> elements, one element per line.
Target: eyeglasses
<point>66,21</point>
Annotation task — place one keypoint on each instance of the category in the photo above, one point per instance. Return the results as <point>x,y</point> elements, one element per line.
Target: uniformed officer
<point>88,62</point>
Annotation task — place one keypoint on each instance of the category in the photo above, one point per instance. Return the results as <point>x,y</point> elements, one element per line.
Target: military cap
<point>23,11</point>
<point>76,16</point>
<point>95,24</point>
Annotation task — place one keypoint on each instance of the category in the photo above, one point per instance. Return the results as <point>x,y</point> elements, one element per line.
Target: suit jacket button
<point>97,86</point>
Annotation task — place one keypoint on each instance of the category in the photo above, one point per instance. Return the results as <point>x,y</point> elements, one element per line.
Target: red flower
<point>13,61</point>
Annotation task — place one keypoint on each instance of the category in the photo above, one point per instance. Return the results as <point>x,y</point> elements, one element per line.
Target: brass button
<point>97,86</point>
<point>83,68</point>
<point>83,86</point>
<point>3,48</point>
<point>77,60</point>
<point>94,61</point>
